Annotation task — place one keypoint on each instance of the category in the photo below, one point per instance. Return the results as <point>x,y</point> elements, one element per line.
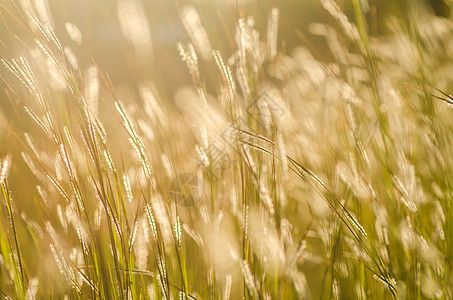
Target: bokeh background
<point>104,43</point>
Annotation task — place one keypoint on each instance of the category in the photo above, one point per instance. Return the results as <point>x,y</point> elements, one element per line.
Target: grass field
<point>244,166</point>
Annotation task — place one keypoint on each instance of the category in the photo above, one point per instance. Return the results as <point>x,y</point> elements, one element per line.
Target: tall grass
<point>320,178</point>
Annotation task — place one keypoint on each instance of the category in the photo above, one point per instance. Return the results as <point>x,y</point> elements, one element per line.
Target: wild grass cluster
<point>315,178</point>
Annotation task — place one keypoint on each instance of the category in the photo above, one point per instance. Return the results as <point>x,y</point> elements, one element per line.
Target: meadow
<point>248,165</point>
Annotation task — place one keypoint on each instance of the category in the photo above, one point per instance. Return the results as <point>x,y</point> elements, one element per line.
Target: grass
<point>315,178</point>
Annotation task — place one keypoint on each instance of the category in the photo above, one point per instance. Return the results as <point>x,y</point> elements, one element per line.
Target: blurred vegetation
<point>332,121</point>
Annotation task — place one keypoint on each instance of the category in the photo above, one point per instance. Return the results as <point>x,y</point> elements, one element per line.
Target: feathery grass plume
<point>135,27</point>
<point>381,280</point>
<point>404,195</point>
<point>300,249</point>
<point>167,165</point>
<point>161,214</point>
<point>128,187</point>
<point>56,79</point>
<point>61,217</point>
<point>193,234</point>
<point>151,219</point>
<point>163,280</point>
<point>250,48</point>
<point>153,107</point>
<point>32,288</point>
<point>62,262</point>
<point>21,69</point>
<point>249,280</point>
<point>66,160</point>
<point>92,90</point>
<point>261,228</point>
<point>189,56</point>
<point>300,284</point>
<point>272,29</point>
<point>197,33</point>
<point>108,159</point>
<point>241,74</point>
<point>141,244</point>
<point>29,163</point>
<point>224,70</point>
<point>334,10</point>
<point>73,32</point>
<point>260,185</point>
<point>5,166</point>
<point>227,290</point>
<point>136,143</point>
<point>336,289</point>
<point>42,8</point>
<point>357,225</point>
<point>9,236</point>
